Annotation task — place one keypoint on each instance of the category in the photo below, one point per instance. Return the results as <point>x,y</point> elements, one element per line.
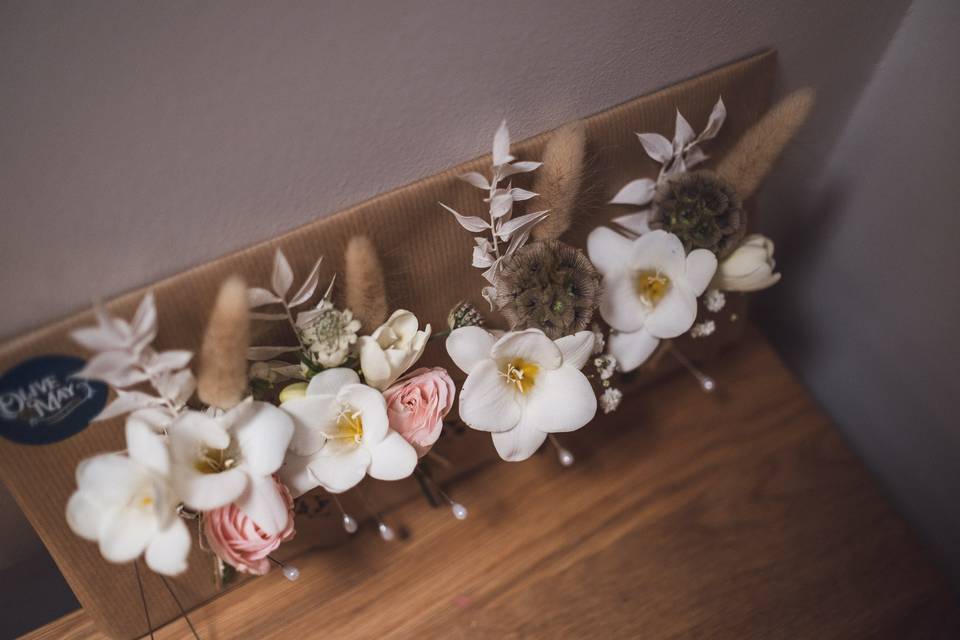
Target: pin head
<point>459,511</point>
<point>565,457</point>
<point>349,524</point>
<point>385,531</point>
<point>290,572</point>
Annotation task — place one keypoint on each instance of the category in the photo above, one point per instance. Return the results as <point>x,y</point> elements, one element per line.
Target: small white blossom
<point>329,334</point>
<point>714,300</point>
<point>606,366</point>
<point>703,329</point>
<point>599,342</point>
<point>610,400</point>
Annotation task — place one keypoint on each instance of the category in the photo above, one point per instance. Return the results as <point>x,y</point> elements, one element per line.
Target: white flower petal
<point>560,400</point>
<point>110,478</point>
<point>620,305</point>
<point>341,472</point>
<point>313,417</point>
<point>393,458</point>
<point>192,431</point>
<point>576,349</point>
<point>126,533</point>
<point>487,401</point>
<point>296,475</point>
<point>262,502</point>
<point>632,349</point>
<point>205,491</point>
<point>608,250</point>
<point>147,447</point>
<point>372,407</point>
<point>701,265</point>
<point>263,433</point>
<point>373,361</point>
<point>469,345</point>
<point>167,552</point>
<point>673,315</point>
<point>330,381</point>
<point>659,250</point>
<point>518,443</point>
<point>531,345</point>
<point>85,515</point>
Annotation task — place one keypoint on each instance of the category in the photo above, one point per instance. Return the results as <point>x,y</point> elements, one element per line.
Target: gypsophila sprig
<point>506,233</point>
<point>714,300</point>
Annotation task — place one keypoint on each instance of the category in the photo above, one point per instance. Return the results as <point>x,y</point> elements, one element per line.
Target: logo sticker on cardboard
<point>41,403</point>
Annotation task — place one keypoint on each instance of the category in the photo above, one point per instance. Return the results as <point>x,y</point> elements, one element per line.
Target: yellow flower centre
<point>214,461</point>
<point>521,374</point>
<point>651,286</point>
<point>349,425</point>
<point>146,501</point>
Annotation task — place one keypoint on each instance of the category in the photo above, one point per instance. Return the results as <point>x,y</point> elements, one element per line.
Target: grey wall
<point>868,311</point>
<point>142,138</point>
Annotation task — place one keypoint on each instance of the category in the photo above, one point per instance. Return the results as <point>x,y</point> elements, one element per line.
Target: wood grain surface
<point>734,515</point>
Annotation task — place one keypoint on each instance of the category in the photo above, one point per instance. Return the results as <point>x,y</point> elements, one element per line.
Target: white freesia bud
<point>749,268</point>
<point>393,348</point>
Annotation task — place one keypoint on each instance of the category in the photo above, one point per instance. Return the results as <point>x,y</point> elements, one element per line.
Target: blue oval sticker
<point>41,403</point>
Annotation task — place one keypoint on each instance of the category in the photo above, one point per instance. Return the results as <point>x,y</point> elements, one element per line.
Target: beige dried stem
<point>559,180</point>
<point>756,152</point>
<point>222,380</point>
<point>366,291</point>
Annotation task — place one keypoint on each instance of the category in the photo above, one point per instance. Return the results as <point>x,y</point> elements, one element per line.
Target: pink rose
<point>239,542</point>
<point>417,404</point>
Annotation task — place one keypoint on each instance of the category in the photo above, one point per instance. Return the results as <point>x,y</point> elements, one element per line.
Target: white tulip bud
<point>749,268</point>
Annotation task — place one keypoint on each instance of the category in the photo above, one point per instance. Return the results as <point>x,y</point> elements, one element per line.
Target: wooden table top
<point>734,515</point>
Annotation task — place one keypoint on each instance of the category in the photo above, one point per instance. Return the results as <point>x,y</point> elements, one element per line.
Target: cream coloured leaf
<point>282,277</point>
<point>717,117</point>
<point>268,353</point>
<point>501,145</point>
<point>656,146</point>
<point>683,133</point>
<point>636,192</point>
<point>470,223</point>
<point>309,285</point>
<point>508,170</point>
<point>523,222</point>
<point>258,297</point>
<point>475,179</point>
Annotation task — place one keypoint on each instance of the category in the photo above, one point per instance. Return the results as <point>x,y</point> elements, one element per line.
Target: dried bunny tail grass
<point>559,180</point>
<point>222,381</point>
<point>755,153</point>
<point>366,290</point>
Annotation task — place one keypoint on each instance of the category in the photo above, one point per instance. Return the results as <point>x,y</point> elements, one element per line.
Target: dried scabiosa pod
<point>702,209</point>
<point>550,286</point>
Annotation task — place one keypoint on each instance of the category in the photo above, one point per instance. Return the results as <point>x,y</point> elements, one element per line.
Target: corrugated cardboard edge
<point>424,252</point>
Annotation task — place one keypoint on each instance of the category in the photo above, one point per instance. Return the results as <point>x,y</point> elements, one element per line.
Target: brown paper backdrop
<point>427,259</point>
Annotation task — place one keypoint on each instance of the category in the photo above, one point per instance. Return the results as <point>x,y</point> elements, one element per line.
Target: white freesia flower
<point>523,386</point>
<point>393,348</point>
<point>341,435</point>
<point>749,268</point>
<point>231,458</point>
<point>125,503</point>
<point>650,289</point>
